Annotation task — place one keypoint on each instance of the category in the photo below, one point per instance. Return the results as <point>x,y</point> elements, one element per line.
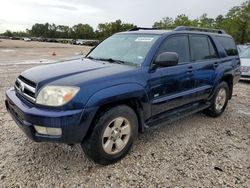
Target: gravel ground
<point>12,51</point>
<point>197,151</point>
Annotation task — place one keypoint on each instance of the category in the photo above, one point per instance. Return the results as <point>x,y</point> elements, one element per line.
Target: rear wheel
<point>219,100</point>
<point>113,135</point>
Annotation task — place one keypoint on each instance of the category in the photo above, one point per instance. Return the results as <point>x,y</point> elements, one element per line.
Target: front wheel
<point>219,100</point>
<point>114,133</point>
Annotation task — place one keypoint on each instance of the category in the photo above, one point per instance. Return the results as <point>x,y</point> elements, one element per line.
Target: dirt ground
<point>18,51</point>
<point>197,151</point>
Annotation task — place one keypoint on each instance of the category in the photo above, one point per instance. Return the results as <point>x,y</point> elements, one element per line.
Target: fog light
<point>48,130</point>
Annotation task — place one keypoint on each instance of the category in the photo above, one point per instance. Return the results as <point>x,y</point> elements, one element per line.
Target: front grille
<point>26,88</point>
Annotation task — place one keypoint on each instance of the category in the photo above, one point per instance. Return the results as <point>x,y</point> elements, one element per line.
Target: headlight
<point>56,95</point>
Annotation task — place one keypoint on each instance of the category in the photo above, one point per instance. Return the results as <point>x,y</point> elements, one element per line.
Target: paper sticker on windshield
<point>144,39</point>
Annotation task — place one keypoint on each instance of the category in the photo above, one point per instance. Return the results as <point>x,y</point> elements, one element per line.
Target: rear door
<point>204,63</point>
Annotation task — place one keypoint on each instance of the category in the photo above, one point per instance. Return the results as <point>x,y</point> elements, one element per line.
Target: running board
<point>177,114</point>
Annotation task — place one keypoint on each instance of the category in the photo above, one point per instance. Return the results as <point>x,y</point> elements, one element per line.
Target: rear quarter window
<point>229,45</point>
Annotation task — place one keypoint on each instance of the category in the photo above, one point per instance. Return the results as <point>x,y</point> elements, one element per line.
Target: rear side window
<point>202,48</point>
<point>229,45</point>
<point>179,45</point>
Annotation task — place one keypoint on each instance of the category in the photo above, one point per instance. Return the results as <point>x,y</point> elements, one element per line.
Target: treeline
<point>236,23</point>
<point>79,31</point>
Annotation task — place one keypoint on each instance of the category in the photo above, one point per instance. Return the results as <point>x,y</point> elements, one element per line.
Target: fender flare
<point>219,79</point>
<point>118,93</point>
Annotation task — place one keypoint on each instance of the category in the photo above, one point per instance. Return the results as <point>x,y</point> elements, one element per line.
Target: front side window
<point>130,49</point>
<point>177,44</point>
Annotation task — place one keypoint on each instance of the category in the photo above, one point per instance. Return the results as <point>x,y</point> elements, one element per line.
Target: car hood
<point>245,62</point>
<point>73,72</point>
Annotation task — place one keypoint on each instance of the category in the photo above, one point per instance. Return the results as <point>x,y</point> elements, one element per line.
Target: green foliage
<point>236,22</point>
<point>107,29</point>
<point>8,33</point>
<point>165,23</point>
<point>82,31</point>
<point>182,20</point>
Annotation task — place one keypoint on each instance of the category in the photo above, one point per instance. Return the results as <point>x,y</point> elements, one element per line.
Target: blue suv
<point>131,81</point>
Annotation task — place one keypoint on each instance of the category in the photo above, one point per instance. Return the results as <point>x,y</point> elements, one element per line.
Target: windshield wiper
<point>111,60</point>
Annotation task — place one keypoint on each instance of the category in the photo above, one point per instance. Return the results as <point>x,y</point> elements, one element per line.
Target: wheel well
<point>133,103</point>
<point>229,80</point>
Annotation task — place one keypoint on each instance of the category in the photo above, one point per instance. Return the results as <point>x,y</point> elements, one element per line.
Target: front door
<point>173,83</point>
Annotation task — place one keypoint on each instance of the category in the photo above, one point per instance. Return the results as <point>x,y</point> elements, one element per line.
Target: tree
<point>237,22</point>
<point>83,31</point>
<point>182,20</point>
<point>107,29</point>
<point>63,31</point>
<point>206,22</point>
<point>165,23</point>
<point>40,30</point>
<point>8,33</point>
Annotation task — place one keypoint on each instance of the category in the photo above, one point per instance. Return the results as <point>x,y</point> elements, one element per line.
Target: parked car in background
<point>51,40</point>
<point>79,42</point>
<point>85,42</point>
<point>242,48</point>
<point>245,65</point>
<point>26,39</point>
<point>131,81</point>
<point>15,38</point>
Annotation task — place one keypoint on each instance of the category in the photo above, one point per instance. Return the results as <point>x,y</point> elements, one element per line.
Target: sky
<point>18,15</point>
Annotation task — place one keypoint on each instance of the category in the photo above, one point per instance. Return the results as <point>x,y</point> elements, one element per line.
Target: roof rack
<point>143,28</point>
<point>187,28</point>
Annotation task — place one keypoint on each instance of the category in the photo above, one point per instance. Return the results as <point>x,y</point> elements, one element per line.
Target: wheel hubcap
<point>116,135</point>
<point>220,99</point>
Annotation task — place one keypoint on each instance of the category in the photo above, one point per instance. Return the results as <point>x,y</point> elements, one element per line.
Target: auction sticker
<point>144,39</point>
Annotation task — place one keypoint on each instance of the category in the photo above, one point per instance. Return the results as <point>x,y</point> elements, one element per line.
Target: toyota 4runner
<point>131,81</point>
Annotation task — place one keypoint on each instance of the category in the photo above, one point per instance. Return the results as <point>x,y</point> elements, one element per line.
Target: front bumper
<point>245,73</point>
<point>74,123</point>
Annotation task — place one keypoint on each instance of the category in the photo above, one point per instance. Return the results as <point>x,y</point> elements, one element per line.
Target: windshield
<point>126,48</point>
<point>246,53</point>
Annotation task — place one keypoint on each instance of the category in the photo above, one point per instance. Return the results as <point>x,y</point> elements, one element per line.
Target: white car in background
<point>26,39</point>
<point>245,64</point>
<point>242,48</point>
<point>79,42</point>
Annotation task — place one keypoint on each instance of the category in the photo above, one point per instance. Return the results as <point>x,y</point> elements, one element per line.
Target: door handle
<point>216,64</point>
<point>190,70</point>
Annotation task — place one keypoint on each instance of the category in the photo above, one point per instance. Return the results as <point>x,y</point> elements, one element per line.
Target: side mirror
<point>167,59</point>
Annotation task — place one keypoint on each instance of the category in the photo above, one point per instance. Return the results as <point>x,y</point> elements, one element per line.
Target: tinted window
<point>178,44</point>
<point>200,48</point>
<point>229,45</point>
<point>213,52</point>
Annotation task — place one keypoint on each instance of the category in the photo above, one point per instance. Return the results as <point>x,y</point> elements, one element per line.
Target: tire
<point>113,135</point>
<point>216,110</point>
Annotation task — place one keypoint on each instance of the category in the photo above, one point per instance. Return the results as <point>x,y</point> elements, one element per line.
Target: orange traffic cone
<point>54,53</point>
